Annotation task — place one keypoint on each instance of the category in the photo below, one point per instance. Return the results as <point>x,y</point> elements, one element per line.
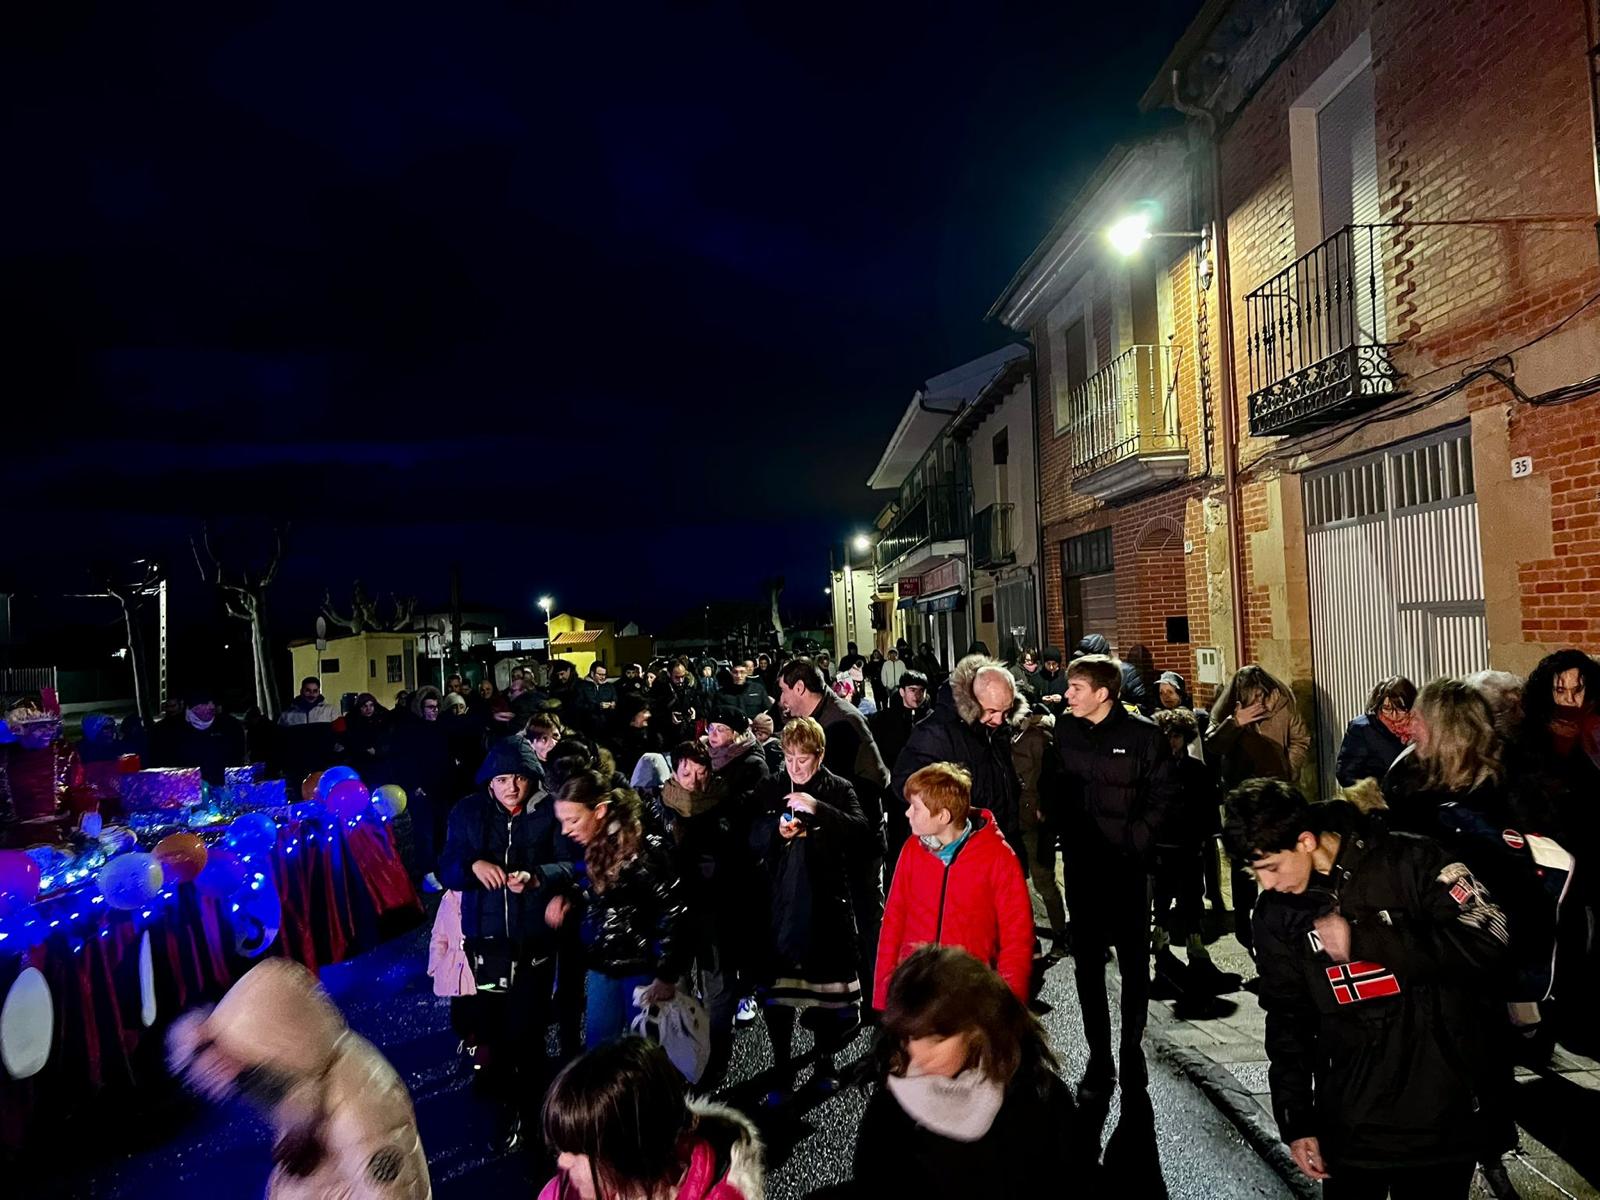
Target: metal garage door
<point>1395,573</point>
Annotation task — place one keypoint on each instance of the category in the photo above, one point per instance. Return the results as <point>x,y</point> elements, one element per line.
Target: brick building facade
<point>1408,195</point>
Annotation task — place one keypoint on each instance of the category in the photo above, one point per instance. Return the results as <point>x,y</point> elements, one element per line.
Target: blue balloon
<point>131,880</point>
<point>333,776</point>
<point>222,875</point>
<point>252,833</point>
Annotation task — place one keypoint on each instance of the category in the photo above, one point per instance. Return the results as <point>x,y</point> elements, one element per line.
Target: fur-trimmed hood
<point>958,691</point>
<point>737,1141</point>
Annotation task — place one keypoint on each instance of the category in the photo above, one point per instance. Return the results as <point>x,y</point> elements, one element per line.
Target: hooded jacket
<point>979,901</point>
<point>528,840</point>
<point>1383,1059</point>
<point>1121,781</point>
<point>955,733</point>
<point>344,1095</point>
<point>1275,747</point>
<point>725,1159</point>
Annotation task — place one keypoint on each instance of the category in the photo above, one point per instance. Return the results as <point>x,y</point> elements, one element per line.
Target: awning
<point>908,602</point>
<point>576,637</point>
<point>946,601</point>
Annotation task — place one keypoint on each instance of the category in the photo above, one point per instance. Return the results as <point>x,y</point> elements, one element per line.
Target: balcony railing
<point>1127,408</point>
<point>994,539</point>
<point>936,515</point>
<point>1315,337</point>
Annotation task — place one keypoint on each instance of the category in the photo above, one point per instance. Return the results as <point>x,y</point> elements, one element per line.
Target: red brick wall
<point>1561,595</point>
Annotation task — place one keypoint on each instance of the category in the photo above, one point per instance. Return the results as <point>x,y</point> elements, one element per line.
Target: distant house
<point>382,663</point>
<point>584,643</point>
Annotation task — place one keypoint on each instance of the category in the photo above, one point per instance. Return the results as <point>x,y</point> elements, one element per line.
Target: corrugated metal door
<point>1014,609</point>
<point>1395,573</point>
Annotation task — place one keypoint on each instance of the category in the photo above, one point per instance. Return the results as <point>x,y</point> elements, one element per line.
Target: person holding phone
<point>811,829</point>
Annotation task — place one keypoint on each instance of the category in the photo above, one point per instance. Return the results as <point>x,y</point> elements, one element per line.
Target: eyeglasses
<point>1393,708</point>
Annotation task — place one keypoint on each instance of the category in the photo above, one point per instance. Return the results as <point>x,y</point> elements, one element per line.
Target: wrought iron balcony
<point>934,516</point>
<point>1124,420</point>
<point>1315,337</point>
<point>994,538</point>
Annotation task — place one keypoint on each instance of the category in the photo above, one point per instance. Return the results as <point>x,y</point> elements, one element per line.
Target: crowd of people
<point>745,841</point>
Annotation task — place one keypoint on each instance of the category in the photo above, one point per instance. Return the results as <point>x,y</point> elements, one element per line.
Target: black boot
<point>1100,1077</point>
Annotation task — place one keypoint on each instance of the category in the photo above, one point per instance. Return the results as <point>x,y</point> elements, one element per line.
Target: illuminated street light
<point>546,603</point>
<point>862,543</point>
<point>827,591</point>
<point>1129,233</point>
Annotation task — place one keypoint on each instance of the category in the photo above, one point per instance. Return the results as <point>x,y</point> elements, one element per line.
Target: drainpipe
<point>1591,21</point>
<point>1038,509</point>
<point>1230,391</point>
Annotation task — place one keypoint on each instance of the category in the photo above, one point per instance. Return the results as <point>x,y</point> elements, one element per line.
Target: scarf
<point>721,757</point>
<point>689,804</point>
<point>962,1109</point>
<point>196,721</point>
<point>947,854</point>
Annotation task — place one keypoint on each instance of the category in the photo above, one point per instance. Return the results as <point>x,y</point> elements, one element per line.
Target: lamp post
<point>547,603</point>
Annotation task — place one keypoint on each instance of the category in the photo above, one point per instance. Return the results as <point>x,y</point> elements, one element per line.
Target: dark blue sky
<point>617,303</point>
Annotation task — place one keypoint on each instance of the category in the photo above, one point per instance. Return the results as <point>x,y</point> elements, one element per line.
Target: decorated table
<point>113,931</point>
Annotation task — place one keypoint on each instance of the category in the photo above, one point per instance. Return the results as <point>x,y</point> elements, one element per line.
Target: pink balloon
<point>349,798</point>
<point>19,880</point>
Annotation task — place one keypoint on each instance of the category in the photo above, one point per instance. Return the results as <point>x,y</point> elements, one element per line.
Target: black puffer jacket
<point>955,734</point>
<point>1384,1060</point>
<point>635,926</point>
<point>528,840</point>
<point>1121,782</point>
<point>751,699</point>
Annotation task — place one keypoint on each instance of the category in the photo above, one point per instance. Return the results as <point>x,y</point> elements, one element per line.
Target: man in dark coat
<point>744,692</point>
<point>977,715</point>
<point>1121,785</point>
<point>852,754</point>
<point>203,736</point>
<point>1052,682</point>
<point>1379,959</point>
<point>673,702</point>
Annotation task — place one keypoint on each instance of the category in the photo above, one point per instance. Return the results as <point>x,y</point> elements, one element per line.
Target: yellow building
<point>582,644</point>
<point>384,664</point>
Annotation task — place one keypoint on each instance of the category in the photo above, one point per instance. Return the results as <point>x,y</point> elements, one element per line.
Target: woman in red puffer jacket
<point>957,883</point>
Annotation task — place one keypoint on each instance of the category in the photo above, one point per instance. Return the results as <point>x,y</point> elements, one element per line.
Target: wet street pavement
<point>1178,1144</point>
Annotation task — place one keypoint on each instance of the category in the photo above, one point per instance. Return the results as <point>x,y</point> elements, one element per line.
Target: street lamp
<point>1128,233</point>
<point>546,603</point>
<point>862,543</point>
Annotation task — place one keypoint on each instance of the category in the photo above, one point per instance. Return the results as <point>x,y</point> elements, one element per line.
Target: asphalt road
<point>1178,1145</point>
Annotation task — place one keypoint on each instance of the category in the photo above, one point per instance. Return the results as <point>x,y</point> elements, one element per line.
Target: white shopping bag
<point>682,1026</point>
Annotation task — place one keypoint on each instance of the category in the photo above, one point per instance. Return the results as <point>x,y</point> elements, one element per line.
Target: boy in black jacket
<point>1378,958</point>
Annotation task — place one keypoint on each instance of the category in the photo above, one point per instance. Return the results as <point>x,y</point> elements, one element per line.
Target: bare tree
<point>364,612</point>
<point>774,590</point>
<point>244,596</point>
<point>134,591</point>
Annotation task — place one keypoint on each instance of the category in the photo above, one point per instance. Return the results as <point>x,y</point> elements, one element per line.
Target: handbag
<point>681,1026</point>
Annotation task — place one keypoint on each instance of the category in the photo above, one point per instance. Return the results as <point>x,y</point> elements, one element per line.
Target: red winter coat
<point>979,902</point>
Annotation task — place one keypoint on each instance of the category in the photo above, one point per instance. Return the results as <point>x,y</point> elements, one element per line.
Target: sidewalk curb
<point>1238,1105</point>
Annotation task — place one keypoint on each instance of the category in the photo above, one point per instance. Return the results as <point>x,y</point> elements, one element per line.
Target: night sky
<point>618,304</point>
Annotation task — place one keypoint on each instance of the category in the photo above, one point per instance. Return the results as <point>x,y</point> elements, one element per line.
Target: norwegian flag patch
<point>1353,982</point>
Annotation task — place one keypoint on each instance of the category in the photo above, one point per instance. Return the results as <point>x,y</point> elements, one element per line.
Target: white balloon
<point>147,982</point>
<point>27,1025</point>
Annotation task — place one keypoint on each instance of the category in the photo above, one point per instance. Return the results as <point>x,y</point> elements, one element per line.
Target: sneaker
<point>1205,977</point>
<point>746,1011</point>
<point>431,884</point>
